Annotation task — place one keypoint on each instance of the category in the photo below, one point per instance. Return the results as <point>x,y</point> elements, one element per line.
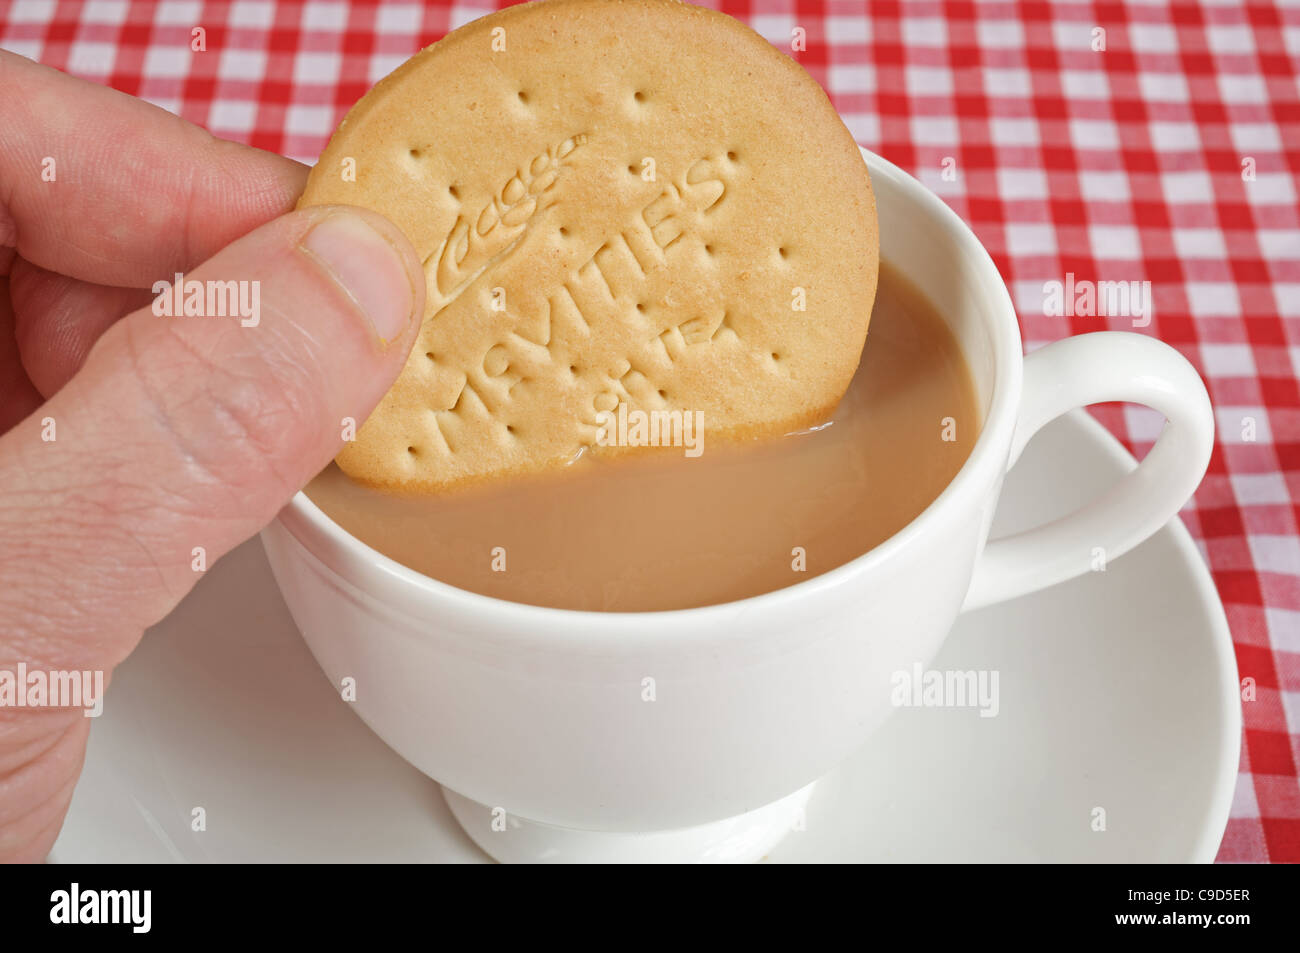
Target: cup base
<point>742,839</point>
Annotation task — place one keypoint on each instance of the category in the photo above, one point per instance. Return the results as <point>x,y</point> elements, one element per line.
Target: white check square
<point>1236,88</point>
<point>934,130</point>
<point>852,78</point>
<point>1228,360</point>
<point>1013,132</point>
<point>1187,188</point>
<point>178,13</point>
<point>1024,238</point>
<point>324,16</point>
<point>229,115</point>
<point>1007,82</point>
<point>1022,184</point>
<point>1152,38</point>
<point>257,14</point>
<point>1095,186</point>
<point>1199,243</point>
<point>1175,137</point>
<point>1163,87</point>
<point>167,62</point>
<point>91,59</point>
<point>1276,553</point>
<point>1213,299</point>
<point>928,81</point>
<point>316,68</point>
<point>104,11</point>
<point>1114,242</point>
<point>1077,84</point>
<point>1094,134</point>
<point>925,31</point>
<point>1261,489</point>
<point>1000,34</point>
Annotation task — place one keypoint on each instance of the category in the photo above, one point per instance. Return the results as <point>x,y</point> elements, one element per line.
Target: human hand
<point>132,441</point>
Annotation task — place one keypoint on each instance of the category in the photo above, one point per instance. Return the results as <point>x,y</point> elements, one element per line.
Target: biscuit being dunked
<point>633,202</point>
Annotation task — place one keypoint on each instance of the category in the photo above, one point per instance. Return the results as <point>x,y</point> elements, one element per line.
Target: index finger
<point>110,189</point>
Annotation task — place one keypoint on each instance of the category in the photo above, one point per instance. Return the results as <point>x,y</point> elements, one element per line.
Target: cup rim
<point>542,622</point>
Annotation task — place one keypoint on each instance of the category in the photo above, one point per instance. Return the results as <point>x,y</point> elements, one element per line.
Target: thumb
<point>183,435</point>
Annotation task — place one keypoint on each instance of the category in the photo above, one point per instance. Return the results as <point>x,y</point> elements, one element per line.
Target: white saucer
<point>1117,691</point>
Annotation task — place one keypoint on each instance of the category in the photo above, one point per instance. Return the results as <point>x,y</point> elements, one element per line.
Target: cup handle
<point>1090,369</point>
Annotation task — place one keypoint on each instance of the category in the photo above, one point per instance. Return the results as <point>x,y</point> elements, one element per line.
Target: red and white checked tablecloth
<point>1169,156</point>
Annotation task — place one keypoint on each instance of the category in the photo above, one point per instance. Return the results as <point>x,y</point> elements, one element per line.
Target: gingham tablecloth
<point>1138,141</point>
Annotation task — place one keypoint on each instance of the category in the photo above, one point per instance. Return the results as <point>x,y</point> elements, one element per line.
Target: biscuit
<point>634,202</point>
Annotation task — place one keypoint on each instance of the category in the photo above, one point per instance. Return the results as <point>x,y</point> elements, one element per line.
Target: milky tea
<point>670,529</point>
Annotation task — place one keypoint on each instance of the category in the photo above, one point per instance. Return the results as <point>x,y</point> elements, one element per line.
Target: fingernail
<point>367,267</point>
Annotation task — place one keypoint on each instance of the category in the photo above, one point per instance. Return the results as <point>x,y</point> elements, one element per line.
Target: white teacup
<point>536,721</point>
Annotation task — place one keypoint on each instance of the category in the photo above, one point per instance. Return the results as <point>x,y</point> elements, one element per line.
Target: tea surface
<point>661,530</point>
